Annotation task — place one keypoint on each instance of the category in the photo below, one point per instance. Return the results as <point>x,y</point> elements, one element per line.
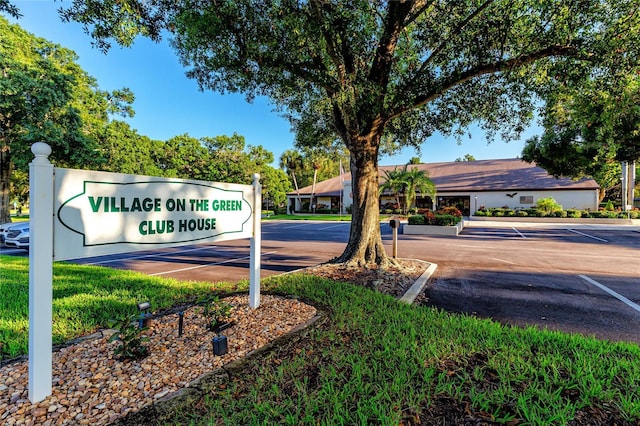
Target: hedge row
<point>570,213</point>
<point>437,219</point>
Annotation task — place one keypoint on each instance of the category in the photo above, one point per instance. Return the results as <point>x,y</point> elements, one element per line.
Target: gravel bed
<point>90,386</point>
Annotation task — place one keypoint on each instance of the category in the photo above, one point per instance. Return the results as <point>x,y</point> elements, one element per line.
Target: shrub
<point>548,205</point>
<point>480,213</point>
<point>609,206</point>
<point>447,219</point>
<point>416,220</point>
<point>522,213</point>
<point>453,211</point>
<point>573,213</point>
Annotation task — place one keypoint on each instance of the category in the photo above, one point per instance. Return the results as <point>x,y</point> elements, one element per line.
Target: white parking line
<point>519,233</point>
<point>611,292</point>
<point>335,225</point>
<point>293,226</point>
<point>587,235</point>
<point>502,260</point>
<point>159,254</point>
<point>207,264</point>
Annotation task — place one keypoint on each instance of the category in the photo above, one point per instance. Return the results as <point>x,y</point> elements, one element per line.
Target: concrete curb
<point>417,287</point>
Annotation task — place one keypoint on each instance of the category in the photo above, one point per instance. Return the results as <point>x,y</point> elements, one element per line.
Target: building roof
<point>473,176</point>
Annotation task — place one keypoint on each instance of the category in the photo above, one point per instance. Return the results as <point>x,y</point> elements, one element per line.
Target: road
<point>570,277</point>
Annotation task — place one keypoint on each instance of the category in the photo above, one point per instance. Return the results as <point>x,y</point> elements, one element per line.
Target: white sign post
<point>81,213</point>
<point>40,272</point>
<point>254,261</point>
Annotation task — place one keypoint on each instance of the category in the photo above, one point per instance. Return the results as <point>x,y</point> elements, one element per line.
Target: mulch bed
<point>90,386</point>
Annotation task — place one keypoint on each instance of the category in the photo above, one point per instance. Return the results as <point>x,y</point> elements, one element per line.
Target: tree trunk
<point>5,175</point>
<point>365,240</point>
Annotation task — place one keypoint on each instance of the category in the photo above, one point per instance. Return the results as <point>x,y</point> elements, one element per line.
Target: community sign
<point>100,213</point>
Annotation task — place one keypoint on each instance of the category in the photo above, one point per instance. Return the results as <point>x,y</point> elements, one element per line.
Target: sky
<point>169,104</point>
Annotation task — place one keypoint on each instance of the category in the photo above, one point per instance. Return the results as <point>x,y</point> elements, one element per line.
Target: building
<point>468,185</point>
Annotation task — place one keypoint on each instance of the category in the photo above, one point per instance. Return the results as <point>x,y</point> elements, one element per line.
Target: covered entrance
<point>462,203</point>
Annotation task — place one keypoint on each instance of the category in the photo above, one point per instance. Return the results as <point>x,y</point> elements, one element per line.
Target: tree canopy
<point>589,130</point>
<point>381,74</point>
<point>46,96</point>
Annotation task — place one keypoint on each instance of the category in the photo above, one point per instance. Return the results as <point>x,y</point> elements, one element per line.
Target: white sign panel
<point>101,213</point>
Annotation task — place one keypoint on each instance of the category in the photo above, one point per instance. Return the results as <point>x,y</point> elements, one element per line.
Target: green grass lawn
<point>84,299</point>
<point>374,361</point>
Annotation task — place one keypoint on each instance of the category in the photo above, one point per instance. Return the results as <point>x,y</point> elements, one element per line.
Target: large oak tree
<point>380,74</point>
<point>46,96</point>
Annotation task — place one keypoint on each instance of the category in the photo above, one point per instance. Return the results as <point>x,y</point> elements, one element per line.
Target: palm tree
<point>291,160</point>
<point>417,180</point>
<point>394,183</point>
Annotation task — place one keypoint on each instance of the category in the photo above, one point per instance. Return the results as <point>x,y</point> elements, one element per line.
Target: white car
<point>18,236</point>
<point>4,229</point>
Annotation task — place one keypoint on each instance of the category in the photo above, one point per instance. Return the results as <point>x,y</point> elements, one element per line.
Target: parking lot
<point>576,278</point>
<point>572,277</point>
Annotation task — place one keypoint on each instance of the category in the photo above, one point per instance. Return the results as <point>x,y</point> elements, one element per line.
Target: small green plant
<point>573,213</point>
<point>130,337</point>
<point>548,205</point>
<point>215,311</point>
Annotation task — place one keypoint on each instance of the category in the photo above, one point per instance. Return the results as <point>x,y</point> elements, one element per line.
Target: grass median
<point>84,299</point>
<point>375,361</point>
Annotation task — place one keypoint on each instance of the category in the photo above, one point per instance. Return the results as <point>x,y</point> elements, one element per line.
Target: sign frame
<point>51,238</point>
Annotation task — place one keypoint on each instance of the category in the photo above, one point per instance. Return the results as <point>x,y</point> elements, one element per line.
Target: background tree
<point>275,186</point>
<point>589,130</point>
<point>394,183</point>
<point>290,160</point>
<point>417,180</point>
<point>126,151</point>
<point>46,96</point>
<point>383,74</point>
<point>467,157</point>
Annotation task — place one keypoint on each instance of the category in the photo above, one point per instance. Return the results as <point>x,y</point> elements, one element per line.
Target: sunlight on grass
<point>375,361</point>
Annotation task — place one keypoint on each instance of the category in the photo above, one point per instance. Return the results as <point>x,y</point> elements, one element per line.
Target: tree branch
<point>482,69</point>
<point>444,42</point>
<point>383,59</point>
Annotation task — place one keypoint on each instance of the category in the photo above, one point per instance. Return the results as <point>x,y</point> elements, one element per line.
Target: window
<point>526,199</point>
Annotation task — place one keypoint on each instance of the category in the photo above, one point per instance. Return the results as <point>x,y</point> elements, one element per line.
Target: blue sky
<point>169,104</point>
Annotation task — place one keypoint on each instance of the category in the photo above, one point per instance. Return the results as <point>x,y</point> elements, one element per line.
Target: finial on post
<point>41,150</point>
